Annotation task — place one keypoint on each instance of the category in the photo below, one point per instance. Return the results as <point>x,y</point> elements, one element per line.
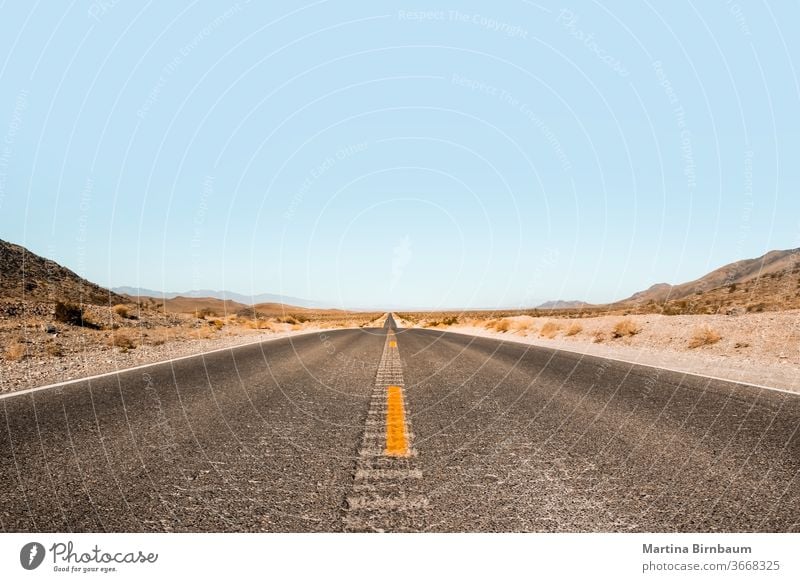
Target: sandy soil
<point>755,348</point>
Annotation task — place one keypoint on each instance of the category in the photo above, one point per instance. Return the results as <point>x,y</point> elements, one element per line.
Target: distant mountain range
<point>223,295</point>
<point>770,282</point>
<point>559,304</point>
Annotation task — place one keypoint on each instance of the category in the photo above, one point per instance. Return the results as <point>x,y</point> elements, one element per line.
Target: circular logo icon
<point>31,555</point>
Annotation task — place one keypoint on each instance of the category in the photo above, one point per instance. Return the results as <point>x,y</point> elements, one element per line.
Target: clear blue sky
<point>364,154</point>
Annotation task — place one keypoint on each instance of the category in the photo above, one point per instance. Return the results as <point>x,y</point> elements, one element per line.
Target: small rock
<point>49,328</point>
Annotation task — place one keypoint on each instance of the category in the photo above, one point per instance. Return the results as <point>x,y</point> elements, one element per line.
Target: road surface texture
<point>399,430</point>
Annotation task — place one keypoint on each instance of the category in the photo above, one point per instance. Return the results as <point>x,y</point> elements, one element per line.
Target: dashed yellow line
<point>392,343</point>
<point>396,437</point>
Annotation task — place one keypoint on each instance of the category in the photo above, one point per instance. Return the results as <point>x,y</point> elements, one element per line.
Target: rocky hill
<point>770,282</point>
<point>26,275</point>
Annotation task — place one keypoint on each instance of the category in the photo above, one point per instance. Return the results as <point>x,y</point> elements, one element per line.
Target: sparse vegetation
<point>625,328</point>
<point>15,351</point>
<point>205,312</point>
<point>53,349</point>
<point>704,336</point>
<point>260,324</point>
<point>123,340</point>
<point>123,311</point>
<point>502,325</point>
<point>204,332</point>
<point>69,313</point>
<point>550,330</point>
<point>574,329</point>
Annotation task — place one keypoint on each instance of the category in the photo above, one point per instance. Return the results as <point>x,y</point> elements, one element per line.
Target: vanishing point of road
<point>387,429</point>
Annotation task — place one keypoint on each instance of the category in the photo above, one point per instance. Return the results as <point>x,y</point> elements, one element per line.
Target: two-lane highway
<point>500,436</point>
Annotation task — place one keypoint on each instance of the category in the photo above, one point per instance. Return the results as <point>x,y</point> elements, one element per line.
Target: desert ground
<point>760,348</point>
<point>43,343</point>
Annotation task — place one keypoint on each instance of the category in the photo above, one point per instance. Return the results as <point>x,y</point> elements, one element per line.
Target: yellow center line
<point>392,344</point>
<point>396,438</point>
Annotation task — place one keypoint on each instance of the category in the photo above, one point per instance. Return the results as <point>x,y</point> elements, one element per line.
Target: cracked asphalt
<point>509,437</point>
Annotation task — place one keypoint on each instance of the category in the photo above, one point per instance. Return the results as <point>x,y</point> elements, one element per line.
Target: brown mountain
<point>771,281</point>
<point>200,305</point>
<point>26,275</point>
<point>561,304</point>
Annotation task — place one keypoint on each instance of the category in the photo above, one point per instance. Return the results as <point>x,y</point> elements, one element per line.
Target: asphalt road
<point>503,437</point>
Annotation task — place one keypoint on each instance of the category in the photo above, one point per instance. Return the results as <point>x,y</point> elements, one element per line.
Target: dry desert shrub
<point>523,325</point>
<point>550,329</point>
<point>625,328</point>
<point>123,340</point>
<point>704,336</point>
<point>68,313</point>
<point>121,310</point>
<point>216,323</point>
<point>15,351</point>
<point>205,332</point>
<point>599,337</point>
<point>160,336</point>
<point>259,324</point>
<point>445,322</point>
<point>501,325</point>
<point>574,329</point>
<point>54,349</point>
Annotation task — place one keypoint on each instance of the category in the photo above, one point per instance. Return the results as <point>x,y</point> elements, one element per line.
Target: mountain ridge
<point>242,298</point>
<point>26,275</point>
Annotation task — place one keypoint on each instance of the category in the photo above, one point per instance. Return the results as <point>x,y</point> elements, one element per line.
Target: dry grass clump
<point>446,321</point>
<point>574,329</point>
<point>15,351</point>
<point>123,340</point>
<point>704,336</point>
<point>216,323</point>
<point>550,329</point>
<point>502,325</point>
<point>205,332</point>
<point>53,349</point>
<point>160,336</point>
<point>625,328</point>
<point>523,325</point>
<point>598,337</point>
<point>204,313</point>
<point>123,311</point>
